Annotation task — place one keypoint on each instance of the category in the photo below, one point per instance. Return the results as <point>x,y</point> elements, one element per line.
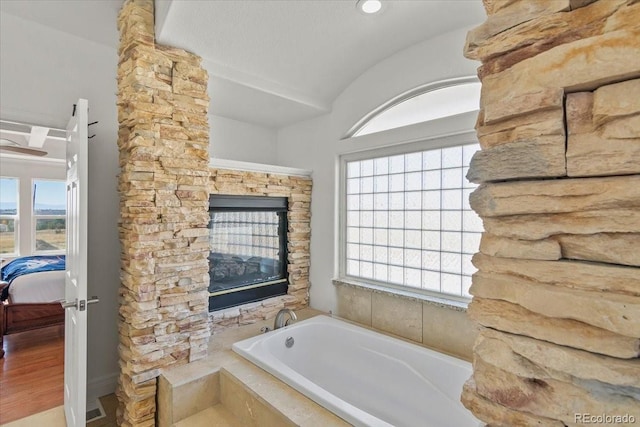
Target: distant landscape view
<point>7,208</point>
<point>50,232</point>
<point>42,210</point>
<point>48,216</point>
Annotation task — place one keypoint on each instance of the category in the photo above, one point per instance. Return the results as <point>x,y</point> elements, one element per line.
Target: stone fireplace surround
<point>297,189</point>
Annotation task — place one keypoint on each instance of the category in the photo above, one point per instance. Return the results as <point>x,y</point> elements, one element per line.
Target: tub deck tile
<point>214,416</point>
<point>278,396</point>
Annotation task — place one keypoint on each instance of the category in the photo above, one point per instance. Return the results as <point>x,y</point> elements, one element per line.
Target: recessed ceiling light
<point>369,6</point>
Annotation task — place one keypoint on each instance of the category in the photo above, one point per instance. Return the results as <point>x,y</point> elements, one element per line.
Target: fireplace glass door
<point>248,250</point>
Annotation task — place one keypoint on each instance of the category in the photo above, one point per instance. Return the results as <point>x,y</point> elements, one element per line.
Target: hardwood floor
<point>31,373</point>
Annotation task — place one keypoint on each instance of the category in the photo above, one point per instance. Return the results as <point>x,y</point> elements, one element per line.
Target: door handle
<point>66,304</point>
<point>82,305</point>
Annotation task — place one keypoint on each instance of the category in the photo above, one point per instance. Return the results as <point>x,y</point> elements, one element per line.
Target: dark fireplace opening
<point>248,249</point>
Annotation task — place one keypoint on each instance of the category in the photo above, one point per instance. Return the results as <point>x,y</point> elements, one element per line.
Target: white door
<point>75,325</point>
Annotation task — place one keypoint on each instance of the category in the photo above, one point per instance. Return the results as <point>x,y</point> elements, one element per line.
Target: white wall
<point>26,171</point>
<point>236,140</point>
<point>42,73</point>
<point>316,144</point>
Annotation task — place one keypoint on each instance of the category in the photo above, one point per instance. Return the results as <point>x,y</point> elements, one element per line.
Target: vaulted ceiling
<point>280,61</point>
<point>271,62</point>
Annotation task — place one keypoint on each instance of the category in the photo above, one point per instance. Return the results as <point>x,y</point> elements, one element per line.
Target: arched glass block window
<point>422,104</point>
<point>406,224</point>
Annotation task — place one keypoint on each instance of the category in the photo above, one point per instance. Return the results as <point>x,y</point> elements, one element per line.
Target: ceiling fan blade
<point>23,150</point>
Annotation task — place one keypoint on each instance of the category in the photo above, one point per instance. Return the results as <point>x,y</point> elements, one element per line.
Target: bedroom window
<point>407,222</point>
<point>49,216</point>
<point>9,215</point>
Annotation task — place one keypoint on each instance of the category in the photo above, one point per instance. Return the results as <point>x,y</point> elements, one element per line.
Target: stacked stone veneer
<point>163,140</point>
<point>298,191</point>
<point>557,293</point>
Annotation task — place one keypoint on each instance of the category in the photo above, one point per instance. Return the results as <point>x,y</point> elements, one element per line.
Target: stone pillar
<point>557,294</point>
<point>163,140</point>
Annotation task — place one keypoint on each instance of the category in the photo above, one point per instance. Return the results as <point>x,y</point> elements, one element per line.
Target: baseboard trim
<point>99,387</point>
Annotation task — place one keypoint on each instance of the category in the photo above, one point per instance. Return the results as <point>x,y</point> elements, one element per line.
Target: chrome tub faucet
<point>280,318</point>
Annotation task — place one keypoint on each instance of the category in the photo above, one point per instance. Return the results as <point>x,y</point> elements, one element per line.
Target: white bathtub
<point>366,378</point>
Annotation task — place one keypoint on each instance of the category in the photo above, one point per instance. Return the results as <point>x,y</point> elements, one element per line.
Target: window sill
<point>48,253</point>
<point>5,258</point>
<point>406,294</point>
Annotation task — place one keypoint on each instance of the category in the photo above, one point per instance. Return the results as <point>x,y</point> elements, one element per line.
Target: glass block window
<point>408,222</point>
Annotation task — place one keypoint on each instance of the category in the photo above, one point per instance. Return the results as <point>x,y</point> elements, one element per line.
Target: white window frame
<point>16,221</point>
<point>35,218</point>
<point>437,142</point>
<point>353,132</point>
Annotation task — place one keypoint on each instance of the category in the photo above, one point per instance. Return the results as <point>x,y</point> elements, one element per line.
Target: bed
<point>31,289</point>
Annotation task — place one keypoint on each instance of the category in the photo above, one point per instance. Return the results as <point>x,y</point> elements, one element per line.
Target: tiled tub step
<point>257,398</point>
<point>227,390</point>
<point>216,416</point>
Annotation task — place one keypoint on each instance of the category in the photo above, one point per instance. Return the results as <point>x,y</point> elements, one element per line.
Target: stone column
<point>557,294</point>
<point>163,140</point>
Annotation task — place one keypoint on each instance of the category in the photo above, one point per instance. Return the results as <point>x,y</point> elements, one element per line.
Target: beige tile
<point>397,315</point>
<point>272,395</point>
<point>248,407</point>
<point>191,398</point>
<point>188,389</point>
<point>307,313</point>
<point>165,402</point>
<point>448,330</point>
<point>223,340</point>
<point>354,304</point>
<point>183,374</point>
<point>216,416</point>
<point>51,418</point>
<point>186,392</point>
